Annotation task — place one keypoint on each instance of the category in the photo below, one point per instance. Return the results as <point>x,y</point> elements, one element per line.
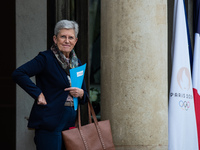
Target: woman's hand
<point>41,100</point>
<point>75,92</point>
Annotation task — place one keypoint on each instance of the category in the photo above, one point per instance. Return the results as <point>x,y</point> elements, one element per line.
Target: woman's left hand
<point>75,92</point>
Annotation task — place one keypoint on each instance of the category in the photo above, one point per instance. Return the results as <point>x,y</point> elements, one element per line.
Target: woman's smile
<point>65,41</point>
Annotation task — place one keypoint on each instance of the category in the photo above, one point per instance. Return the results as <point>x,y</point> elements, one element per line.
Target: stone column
<point>134,80</point>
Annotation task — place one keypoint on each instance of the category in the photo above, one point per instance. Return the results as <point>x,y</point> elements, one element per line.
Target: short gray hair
<point>66,24</point>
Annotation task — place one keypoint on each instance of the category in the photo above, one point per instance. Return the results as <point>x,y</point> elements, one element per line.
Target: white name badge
<point>80,73</point>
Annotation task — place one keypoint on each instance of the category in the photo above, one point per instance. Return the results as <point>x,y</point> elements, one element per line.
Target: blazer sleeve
<point>22,75</point>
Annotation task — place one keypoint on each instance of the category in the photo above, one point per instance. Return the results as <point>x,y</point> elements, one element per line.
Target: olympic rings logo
<point>185,105</point>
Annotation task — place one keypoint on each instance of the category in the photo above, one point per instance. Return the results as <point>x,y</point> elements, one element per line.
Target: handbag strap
<point>79,128</point>
<point>90,112</point>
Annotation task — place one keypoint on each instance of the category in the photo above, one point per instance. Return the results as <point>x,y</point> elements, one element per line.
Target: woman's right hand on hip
<point>41,100</point>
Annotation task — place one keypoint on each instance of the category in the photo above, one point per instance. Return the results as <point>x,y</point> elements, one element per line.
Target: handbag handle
<point>89,115</point>
<point>90,112</point>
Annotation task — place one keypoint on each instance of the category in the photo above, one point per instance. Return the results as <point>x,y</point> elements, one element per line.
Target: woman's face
<point>65,41</point>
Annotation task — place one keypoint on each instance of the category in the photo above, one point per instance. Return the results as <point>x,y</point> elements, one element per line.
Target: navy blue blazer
<point>51,80</point>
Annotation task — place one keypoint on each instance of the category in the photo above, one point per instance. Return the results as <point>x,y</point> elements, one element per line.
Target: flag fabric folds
<point>196,66</point>
<point>182,131</point>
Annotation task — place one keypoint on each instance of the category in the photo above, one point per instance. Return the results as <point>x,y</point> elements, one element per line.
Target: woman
<point>52,111</point>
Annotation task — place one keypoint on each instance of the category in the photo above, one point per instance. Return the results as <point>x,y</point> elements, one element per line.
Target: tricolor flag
<point>182,120</point>
<point>196,66</point>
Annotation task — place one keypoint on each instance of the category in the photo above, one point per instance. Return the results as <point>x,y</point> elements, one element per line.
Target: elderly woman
<point>52,111</point>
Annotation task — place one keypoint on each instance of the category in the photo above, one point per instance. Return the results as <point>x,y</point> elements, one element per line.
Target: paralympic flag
<point>182,131</point>
<point>196,66</point>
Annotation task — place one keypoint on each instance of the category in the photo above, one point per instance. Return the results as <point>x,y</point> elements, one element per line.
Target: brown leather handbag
<point>93,136</point>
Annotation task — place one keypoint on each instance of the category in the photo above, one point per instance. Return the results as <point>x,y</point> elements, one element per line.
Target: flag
<point>196,66</point>
<point>182,131</point>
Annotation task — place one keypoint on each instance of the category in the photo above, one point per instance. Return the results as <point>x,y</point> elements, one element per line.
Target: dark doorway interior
<point>76,10</point>
<point>7,86</point>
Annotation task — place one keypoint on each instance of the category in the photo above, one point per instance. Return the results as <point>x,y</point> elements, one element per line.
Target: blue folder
<point>77,76</point>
